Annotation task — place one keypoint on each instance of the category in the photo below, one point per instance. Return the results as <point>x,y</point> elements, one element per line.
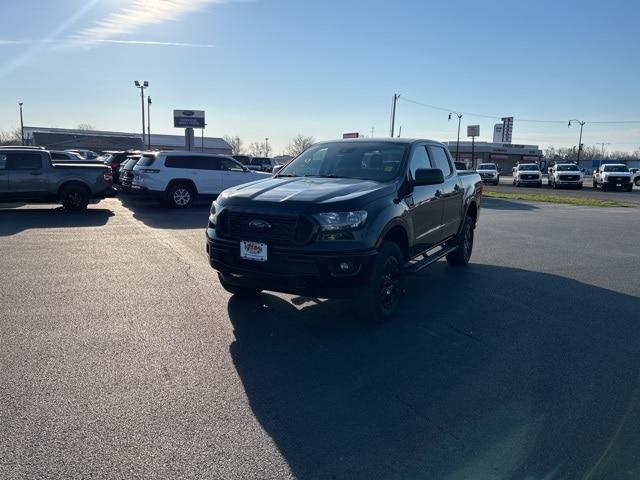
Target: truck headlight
<point>340,221</point>
<point>213,213</point>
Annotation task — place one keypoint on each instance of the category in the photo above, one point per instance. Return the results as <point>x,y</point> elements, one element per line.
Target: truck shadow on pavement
<point>16,221</point>
<point>499,204</point>
<point>488,372</point>
<point>156,215</point>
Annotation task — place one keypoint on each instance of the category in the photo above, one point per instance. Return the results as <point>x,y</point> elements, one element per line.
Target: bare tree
<point>86,126</point>
<point>255,149</point>
<point>11,137</point>
<point>299,144</point>
<point>236,144</point>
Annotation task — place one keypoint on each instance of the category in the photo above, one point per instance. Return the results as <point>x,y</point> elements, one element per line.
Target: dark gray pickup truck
<point>346,219</point>
<point>29,175</point>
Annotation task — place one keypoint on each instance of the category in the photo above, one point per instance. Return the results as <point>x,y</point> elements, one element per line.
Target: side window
<point>441,160</point>
<point>24,161</point>
<point>59,156</point>
<point>3,161</point>
<point>230,165</point>
<point>419,160</point>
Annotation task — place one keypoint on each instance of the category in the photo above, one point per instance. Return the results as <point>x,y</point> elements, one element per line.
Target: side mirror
<point>428,176</point>
<point>276,169</point>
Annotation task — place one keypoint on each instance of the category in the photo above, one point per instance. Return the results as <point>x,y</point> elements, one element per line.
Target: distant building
<point>99,141</point>
<point>505,155</point>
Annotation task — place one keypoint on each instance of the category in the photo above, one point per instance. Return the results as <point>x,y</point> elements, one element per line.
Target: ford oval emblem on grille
<point>259,225</point>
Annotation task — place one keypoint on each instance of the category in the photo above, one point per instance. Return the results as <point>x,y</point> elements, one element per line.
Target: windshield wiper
<point>288,175</point>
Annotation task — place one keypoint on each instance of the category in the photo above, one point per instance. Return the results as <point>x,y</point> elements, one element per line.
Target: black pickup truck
<point>30,175</point>
<point>346,219</point>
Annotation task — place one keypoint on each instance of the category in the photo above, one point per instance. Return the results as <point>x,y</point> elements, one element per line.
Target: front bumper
<point>534,181</point>
<point>291,270</point>
<point>616,184</point>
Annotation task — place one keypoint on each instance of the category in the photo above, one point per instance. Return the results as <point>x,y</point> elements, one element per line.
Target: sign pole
<point>473,152</point>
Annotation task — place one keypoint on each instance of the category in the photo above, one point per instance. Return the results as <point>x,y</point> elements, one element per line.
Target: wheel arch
<point>176,181</point>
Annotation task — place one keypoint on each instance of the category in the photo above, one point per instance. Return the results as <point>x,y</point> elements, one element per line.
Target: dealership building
<point>100,141</point>
<point>505,155</point>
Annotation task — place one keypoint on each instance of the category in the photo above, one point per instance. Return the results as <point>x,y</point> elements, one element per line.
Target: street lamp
<point>21,126</point>
<point>459,115</point>
<point>202,138</point>
<point>142,86</point>
<point>149,122</point>
<point>580,140</point>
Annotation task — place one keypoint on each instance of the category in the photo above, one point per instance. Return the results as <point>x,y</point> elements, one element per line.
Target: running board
<point>429,259</point>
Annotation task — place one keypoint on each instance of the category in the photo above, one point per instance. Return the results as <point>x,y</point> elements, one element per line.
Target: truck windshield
<point>487,166</point>
<point>378,161</point>
<point>528,167</point>
<point>567,168</point>
<point>616,168</point>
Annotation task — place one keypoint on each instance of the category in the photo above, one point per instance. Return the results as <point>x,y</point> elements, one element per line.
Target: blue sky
<point>275,68</point>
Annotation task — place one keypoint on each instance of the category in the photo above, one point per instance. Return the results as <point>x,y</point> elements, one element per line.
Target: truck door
<point>451,189</point>
<point>27,174</point>
<point>425,205</point>
<point>4,176</point>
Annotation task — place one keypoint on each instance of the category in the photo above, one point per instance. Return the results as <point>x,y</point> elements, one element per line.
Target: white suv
<point>180,177</point>
<point>565,175</point>
<point>527,174</point>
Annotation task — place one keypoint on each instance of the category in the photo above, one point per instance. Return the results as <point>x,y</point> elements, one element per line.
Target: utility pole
<point>21,125</point>
<point>149,123</point>
<point>393,113</point>
<point>202,138</point>
<point>459,115</point>
<point>266,147</point>
<point>142,86</point>
<point>579,141</point>
<point>373,129</point>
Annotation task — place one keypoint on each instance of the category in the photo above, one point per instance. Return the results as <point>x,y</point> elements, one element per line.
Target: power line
<point>529,120</point>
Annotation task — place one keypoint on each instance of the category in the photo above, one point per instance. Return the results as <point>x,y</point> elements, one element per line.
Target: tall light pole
<point>459,115</point>
<point>142,86</point>
<point>396,96</point>
<point>266,147</point>
<point>149,122</point>
<point>202,138</point>
<point>21,126</point>
<point>579,141</point>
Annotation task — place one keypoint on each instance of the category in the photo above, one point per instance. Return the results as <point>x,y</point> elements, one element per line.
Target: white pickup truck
<point>565,175</point>
<point>614,176</point>
<point>489,173</point>
<point>527,174</point>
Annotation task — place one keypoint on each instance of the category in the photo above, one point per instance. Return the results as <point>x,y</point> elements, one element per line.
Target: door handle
<point>36,173</point>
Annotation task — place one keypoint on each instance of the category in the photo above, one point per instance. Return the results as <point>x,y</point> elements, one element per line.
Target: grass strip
<point>550,198</point>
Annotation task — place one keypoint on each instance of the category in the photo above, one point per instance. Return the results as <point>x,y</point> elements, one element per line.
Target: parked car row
<point>261,164</point>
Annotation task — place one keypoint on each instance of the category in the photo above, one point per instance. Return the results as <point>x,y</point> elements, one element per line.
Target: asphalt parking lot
<point>122,356</point>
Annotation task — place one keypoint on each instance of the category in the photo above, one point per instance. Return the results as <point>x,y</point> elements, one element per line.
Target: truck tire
<point>381,294</point>
<point>595,185</point>
<point>637,182</point>
<point>180,195</point>
<point>237,290</point>
<point>74,198</point>
<point>464,241</point>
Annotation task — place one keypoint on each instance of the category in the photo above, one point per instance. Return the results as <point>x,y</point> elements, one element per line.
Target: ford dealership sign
<point>188,118</point>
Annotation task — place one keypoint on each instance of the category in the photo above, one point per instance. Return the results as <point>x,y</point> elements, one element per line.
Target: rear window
<point>131,163</point>
<point>146,160</point>
<point>192,162</point>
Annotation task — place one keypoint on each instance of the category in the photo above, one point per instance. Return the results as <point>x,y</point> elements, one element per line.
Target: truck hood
<point>306,191</point>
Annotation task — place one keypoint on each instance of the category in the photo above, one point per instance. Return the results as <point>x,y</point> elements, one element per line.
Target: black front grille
<point>618,179</point>
<point>570,177</point>
<point>529,177</point>
<point>282,230</point>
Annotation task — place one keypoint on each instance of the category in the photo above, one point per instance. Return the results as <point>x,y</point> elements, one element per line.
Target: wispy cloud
<point>78,43</point>
<point>139,14</point>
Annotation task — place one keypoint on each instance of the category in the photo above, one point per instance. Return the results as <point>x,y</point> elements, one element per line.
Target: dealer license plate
<point>255,251</point>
